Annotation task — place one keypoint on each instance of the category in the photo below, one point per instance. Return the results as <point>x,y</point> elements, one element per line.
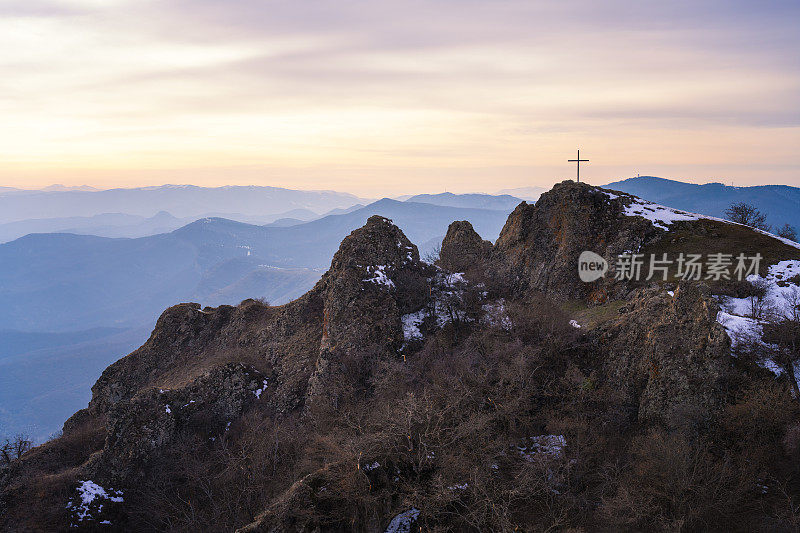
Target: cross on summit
<point>578,161</point>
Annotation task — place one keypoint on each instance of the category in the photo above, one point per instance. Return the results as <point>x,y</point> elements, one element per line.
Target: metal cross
<point>578,161</point>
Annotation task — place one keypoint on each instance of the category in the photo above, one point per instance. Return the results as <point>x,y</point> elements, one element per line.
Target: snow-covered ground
<point>661,216</point>
<point>496,315</point>
<point>543,445</point>
<point>444,306</point>
<point>411,324</point>
<point>737,316</point>
<point>90,500</point>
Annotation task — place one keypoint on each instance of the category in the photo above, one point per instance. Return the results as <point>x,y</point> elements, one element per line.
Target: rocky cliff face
<point>203,369</point>
<point>668,353</point>
<point>375,277</point>
<point>539,246</point>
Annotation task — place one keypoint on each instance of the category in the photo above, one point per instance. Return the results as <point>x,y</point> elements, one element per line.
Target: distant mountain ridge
<point>530,194</point>
<point>180,200</point>
<point>132,226</point>
<point>781,203</point>
<point>475,200</point>
<point>70,283</point>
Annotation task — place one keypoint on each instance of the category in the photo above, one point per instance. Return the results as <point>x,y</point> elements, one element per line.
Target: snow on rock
<point>258,392</point>
<point>411,323</point>
<point>661,216</point>
<point>379,276</point>
<point>544,445</point>
<point>402,523</point>
<point>90,500</point>
<point>167,409</point>
<point>574,324</point>
<point>452,280</point>
<point>460,486</point>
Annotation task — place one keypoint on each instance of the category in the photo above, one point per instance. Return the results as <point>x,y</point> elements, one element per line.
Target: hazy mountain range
<point>71,304</point>
<point>87,286</point>
<point>180,200</point>
<point>264,205</point>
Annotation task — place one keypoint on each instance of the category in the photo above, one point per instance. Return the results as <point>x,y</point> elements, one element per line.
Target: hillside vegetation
<point>491,391</point>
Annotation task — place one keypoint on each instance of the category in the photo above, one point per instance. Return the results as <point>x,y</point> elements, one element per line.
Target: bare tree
<point>748,215</point>
<point>12,449</point>
<point>758,299</point>
<point>787,232</point>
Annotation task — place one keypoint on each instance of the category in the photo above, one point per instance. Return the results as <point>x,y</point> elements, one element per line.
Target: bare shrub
<point>757,299</point>
<point>743,213</point>
<point>12,449</point>
<point>787,232</point>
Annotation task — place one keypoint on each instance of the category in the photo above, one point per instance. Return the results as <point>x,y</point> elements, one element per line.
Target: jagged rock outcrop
<point>375,277</point>
<point>143,426</point>
<point>667,353</point>
<point>187,341</point>
<point>462,248</point>
<point>664,354</point>
<point>539,245</point>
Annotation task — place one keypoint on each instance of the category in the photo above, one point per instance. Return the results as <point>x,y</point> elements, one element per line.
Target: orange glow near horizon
<point>398,97</point>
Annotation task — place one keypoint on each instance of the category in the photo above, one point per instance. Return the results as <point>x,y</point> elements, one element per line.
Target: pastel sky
<point>382,97</point>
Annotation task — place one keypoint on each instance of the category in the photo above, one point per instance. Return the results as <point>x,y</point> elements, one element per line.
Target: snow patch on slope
<point>402,523</point>
<point>379,276</point>
<point>411,324</point>
<point>662,216</point>
<point>736,314</point>
<point>90,500</point>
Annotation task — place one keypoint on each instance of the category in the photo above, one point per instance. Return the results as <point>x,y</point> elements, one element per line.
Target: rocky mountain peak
<point>376,276</point>
<point>462,247</point>
<point>378,243</point>
<point>394,388</point>
<point>540,244</point>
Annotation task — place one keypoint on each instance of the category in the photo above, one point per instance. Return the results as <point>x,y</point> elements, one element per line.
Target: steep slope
<point>397,393</point>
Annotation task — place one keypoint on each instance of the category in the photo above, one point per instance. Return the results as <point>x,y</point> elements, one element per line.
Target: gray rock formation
<point>539,246</point>
<point>462,248</point>
<point>375,277</point>
<point>668,354</point>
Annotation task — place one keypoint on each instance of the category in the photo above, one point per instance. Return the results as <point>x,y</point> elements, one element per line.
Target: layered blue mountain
<point>502,202</point>
<point>180,200</point>
<point>72,304</point>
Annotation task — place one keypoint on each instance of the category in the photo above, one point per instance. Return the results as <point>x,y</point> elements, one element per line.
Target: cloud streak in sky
<point>396,96</point>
